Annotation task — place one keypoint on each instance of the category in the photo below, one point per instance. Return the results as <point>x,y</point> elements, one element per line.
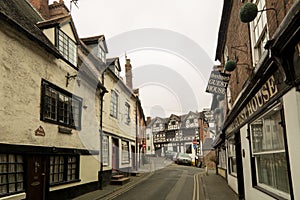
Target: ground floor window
<point>64,168</point>
<point>232,156</point>
<point>11,173</point>
<point>269,152</point>
<point>222,159</point>
<point>125,152</point>
<point>105,150</point>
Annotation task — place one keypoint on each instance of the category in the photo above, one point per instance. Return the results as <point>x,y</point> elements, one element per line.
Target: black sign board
<point>217,83</point>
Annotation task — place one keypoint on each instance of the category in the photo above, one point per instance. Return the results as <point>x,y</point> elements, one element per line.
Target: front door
<point>115,154</point>
<point>36,177</point>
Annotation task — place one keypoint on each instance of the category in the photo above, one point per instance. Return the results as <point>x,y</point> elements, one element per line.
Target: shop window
<point>63,169</point>
<point>125,152</point>
<point>222,159</point>
<point>60,107</point>
<point>269,153</point>
<point>232,156</point>
<point>11,174</point>
<point>105,150</point>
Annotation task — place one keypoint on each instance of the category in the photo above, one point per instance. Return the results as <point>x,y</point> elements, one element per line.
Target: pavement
<point>212,186</point>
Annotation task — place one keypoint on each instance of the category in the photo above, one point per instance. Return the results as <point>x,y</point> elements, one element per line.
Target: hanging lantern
<point>248,12</point>
<point>230,65</point>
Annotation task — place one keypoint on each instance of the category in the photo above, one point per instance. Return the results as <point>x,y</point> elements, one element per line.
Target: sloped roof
<point>21,15</point>
<point>111,61</point>
<point>94,40</point>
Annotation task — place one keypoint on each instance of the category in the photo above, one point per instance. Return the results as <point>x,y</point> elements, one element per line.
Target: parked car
<point>170,154</point>
<point>184,159</point>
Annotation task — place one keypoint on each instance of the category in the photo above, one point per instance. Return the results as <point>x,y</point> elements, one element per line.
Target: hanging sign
<point>218,83</point>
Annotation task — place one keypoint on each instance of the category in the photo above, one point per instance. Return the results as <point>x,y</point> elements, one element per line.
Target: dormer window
<point>101,54</point>
<point>67,47</point>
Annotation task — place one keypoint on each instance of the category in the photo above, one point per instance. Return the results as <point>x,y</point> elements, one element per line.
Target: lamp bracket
<point>69,77</point>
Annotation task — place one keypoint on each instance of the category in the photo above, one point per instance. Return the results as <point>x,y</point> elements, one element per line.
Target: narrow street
<point>172,182</point>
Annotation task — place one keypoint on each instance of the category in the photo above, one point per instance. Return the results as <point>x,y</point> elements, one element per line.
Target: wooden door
<point>115,154</point>
<point>36,186</point>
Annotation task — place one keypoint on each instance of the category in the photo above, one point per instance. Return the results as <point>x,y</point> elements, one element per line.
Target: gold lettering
<point>249,109</point>
<point>259,99</point>
<point>272,86</point>
<point>265,93</point>
<point>254,104</point>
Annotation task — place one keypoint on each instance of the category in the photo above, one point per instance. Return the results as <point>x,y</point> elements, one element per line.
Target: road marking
<point>174,193</point>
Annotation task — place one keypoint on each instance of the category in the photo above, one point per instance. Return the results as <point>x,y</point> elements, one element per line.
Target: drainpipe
<point>136,135</point>
<point>102,93</point>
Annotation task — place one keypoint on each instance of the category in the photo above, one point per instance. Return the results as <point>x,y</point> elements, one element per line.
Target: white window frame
<point>232,156</point>
<point>259,32</point>
<point>125,152</point>
<point>105,150</point>
<point>267,143</point>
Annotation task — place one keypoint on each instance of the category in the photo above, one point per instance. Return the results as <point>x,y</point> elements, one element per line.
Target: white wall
<point>291,102</point>
<point>250,192</point>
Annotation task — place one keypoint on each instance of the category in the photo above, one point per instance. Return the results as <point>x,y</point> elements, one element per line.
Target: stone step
<point>120,181</point>
<point>118,176</point>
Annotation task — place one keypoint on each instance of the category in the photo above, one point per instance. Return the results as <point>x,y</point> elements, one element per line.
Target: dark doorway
<point>36,185</point>
<point>239,165</point>
<point>115,154</point>
<point>134,156</point>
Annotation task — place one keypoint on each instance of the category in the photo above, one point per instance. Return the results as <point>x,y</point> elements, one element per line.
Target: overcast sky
<point>171,44</point>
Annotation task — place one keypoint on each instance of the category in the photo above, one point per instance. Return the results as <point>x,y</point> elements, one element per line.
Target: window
<point>188,148</point>
<point>259,34</point>
<point>148,148</point>
<point>268,150</point>
<point>125,152</point>
<point>105,150</point>
<point>232,156</point>
<point>11,174</point>
<point>67,47</point>
<point>63,169</point>
<point>101,54</point>
<point>114,104</point>
<point>222,159</point>
<point>148,136</point>
<point>127,113</point>
<point>60,107</point>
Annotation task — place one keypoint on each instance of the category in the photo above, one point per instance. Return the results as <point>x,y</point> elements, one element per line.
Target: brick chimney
<point>42,6</point>
<point>148,120</point>
<point>128,73</point>
<point>58,9</point>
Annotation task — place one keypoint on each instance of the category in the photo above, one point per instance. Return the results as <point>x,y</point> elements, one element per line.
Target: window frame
<point>114,104</point>
<point>68,52</point>
<point>74,102</point>
<point>7,173</point>
<point>275,109</point>
<point>125,152</point>
<point>64,169</point>
<point>127,114</point>
<point>259,32</point>
<point>105,150</point>
<point>232,164</point>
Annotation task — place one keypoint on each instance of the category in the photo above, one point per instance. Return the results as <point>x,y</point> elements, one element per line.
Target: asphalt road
<point>170,183</point>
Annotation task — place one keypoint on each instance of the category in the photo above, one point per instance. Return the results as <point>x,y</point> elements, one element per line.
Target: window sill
<point>270,193</point>
<point>64,130</point>
<point>64,182</point>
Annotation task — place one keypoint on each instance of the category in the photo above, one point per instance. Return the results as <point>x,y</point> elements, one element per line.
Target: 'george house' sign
<point>218,83</point>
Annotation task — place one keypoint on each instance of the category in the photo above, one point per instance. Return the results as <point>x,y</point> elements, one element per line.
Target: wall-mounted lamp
<point>70,77</point>
<point>248,12</point>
